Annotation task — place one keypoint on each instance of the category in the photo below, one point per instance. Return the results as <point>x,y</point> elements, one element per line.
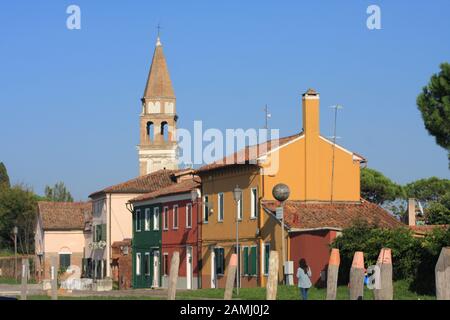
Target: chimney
<point>310,101</point>
<point>411,212</point>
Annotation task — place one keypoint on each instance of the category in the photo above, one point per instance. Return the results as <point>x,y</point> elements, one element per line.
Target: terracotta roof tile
<point>143,184</point>
<point>64,215</point>
<point>181,187</point>
<point>301,215</point>
<point>248,154</point>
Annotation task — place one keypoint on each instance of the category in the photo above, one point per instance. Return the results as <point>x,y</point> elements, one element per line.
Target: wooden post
<point>442,272</point>
<point>272,281</point>
<point>357,277</point>
<point>173,277</point>
<point>231,276</point>
<point>54,278</point>
<point>23,289</point>
<point>332,274</point>
<point>384,262</point>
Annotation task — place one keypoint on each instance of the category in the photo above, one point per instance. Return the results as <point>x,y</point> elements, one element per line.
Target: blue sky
<point>70,99</point>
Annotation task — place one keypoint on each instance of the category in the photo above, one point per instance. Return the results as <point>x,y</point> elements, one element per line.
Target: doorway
<point>155,282</point>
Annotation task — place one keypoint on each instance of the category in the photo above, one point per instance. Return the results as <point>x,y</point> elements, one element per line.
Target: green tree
<point>18,207</point>
<point>377,188</point>
<point>4,178</point>
<point>434,104</point>
<point>370,239</point>
<point>58,193</point>
<point>435,194</point>
<point>428,189</point>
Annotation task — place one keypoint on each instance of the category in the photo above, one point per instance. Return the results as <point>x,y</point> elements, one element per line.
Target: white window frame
<point>253,203</point>
<point>205,209</point>
<point>156,218</point>
<point>138,220</point>
<point>147,259</point>
<point>220,208</point>
<point>138,265</point>
<point>175,211</point>
<point>166,218</point>
<point>147,220</point>
<point>188,213</point>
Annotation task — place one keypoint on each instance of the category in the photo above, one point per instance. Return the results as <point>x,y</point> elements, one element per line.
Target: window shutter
<point>103,232</point>
<point>253,261</point>
<point>266,259</point>
<point>245,259</point>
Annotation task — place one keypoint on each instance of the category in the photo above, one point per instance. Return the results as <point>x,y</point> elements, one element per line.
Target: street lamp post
<point>281,193</point>
<point>15,232</point>
<point>237,194</point>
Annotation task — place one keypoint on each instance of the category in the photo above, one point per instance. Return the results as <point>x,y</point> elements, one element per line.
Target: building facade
<point>167,221</point>
<point>111,217</point>
<point>60,233</point>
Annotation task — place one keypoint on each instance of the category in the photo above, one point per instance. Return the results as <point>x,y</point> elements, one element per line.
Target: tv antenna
<point>334,137</point>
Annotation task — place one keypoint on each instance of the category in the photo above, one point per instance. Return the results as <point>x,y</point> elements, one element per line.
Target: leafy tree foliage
<point>370,240</point>
<point>435,193</point>
<point>413,258</point>
<point>58,193</point>
<point>377,188</point>
<point>429,189</point>
<point>4,178</point>
<point>18,207</point>
<point>434,104</point>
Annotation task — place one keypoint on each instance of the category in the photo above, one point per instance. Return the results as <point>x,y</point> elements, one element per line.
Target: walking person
<point>304,278</point>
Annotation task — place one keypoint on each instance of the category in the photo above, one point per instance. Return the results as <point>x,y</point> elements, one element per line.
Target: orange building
<point>323,177</point>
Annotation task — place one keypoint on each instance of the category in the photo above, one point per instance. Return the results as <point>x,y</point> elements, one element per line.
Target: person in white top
<point>304,278</point>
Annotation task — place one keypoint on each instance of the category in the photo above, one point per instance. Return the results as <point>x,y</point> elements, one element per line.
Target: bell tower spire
<point>157,148</point>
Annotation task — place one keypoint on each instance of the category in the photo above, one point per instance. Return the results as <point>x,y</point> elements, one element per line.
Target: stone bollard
<point>272,281</point>
<point>173,277</point>
<point>54,279</point>
<point>332,274</point>
<point>24,284</point>
<point>231,276</point>
<point>442,272</point>
<point>357,277</point>
<point>386,289</point>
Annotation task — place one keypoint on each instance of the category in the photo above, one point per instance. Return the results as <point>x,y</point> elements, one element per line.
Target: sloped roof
<point>158,82</point>
<point>64,215</point>
<point>248,154</point>
<point>299,215</point>
<point>143,184</point>
<point>181,187</point>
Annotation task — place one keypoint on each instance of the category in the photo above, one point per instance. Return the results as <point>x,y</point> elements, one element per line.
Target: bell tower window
<point>165,130</point>
<point>150,131</point>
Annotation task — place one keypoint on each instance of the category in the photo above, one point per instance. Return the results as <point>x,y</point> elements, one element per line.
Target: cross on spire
<point>159,28</point>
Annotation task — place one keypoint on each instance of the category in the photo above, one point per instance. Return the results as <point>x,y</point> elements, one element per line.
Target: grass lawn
<point>7,280</point>
<point>401,292</point>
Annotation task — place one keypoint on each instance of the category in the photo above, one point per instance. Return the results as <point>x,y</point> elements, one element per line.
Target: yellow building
<point>317,171</point>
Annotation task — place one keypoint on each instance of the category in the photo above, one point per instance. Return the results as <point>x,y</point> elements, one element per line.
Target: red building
<point>180,228</point>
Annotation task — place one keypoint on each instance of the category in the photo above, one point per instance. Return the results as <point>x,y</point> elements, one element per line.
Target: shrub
<point>371,239</point>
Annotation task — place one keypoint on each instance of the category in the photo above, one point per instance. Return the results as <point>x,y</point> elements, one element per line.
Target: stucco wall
<point>58,241</point>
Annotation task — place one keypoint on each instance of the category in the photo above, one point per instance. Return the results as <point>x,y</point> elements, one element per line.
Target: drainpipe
<point>108,250</point>
<point>260,225</point>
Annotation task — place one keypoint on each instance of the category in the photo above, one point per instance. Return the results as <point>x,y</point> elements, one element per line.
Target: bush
<point>370,240</point>
<point>424,278</point>
<point>413,259</point>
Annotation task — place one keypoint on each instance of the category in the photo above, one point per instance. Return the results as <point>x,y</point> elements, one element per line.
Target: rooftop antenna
<point>267,115</point>
<point>336,108</point>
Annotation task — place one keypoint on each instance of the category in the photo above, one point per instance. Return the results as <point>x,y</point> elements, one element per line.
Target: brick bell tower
<point>158,147</point>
